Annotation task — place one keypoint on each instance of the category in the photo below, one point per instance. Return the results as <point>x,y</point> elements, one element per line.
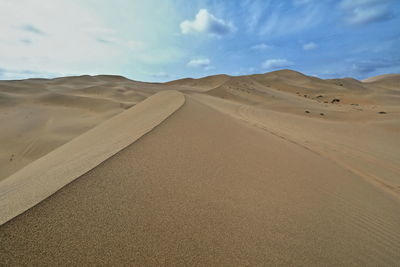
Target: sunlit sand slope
<point>206,189</point>
<point>39,115</point>
<point>43,177</point>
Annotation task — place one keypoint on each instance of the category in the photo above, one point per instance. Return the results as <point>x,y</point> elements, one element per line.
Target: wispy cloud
<point>32,29</point>
<point>206,22</point>
<point>261,46</point>
<point>362,69</point>
<point>16,74</point>
<point>204,63</point>
<point>255,11</point>
<point>26,41</point>
<point>104,40</point>
<point>310,46</point>
<point>360,12</point>
<point>280,19</point>
<point>369,66</point>
<point>276,63</point>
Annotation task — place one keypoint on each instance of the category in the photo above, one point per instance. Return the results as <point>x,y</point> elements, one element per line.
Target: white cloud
<point>276,63</point>
<point>261,46</point>
<point>359,12</point>
<point>358,3</point>
<point>199,63</point>
<point>278,20</point>
<point>206,22</point>
<point>310,46</point>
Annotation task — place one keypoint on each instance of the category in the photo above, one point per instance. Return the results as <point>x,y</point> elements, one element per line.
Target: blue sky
<point>155,40</point>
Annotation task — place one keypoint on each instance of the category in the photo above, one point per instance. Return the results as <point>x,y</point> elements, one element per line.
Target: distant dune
<point>39,115</point>
<point>387,80</point>
<point>278,168</point>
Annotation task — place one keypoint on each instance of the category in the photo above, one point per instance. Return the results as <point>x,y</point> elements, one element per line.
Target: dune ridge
<point>272,169</point>
<point>206,189</point>
<point>43,114</point>
<point>43,177</point>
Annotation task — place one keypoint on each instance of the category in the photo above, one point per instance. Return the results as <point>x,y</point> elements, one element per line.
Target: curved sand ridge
<point>205,189</point>
<point>45,176</point>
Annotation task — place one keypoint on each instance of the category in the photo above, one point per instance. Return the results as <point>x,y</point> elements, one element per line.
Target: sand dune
<point>42,178</point>
<point>202,84</point>
<point>39,115</point>
<point>205,189</point>
<point>271,169</point>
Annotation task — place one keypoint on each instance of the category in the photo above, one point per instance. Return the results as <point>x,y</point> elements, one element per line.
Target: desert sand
<point>38,115</point>
<point>272,169</point>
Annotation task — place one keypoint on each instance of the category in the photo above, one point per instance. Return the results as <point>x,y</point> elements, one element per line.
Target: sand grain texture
<point>40,179</point>
<point>204,189</point>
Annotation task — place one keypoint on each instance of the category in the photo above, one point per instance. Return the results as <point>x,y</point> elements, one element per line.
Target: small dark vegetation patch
<point>335,100</point>
<point>382,112</point>
<point>307,111</point>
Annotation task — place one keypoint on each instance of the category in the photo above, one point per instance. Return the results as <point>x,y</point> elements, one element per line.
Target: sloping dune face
<point>51,172</point>
<point>270,169</point>
<point>355,124</point>
<point>390,81</point>
<point>205,189</point>
<point>38,115</point>
<point>199,85</point>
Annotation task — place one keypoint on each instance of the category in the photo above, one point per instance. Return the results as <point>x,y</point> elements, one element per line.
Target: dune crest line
<point>43,177</point>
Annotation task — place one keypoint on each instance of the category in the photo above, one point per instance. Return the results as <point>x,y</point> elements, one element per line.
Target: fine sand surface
<point>43,177</point>
<point>205,189</point>
<point>38,115</point>
<point>270,169</point>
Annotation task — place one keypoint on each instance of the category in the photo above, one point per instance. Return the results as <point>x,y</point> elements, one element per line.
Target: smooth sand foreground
<point>205,189</point>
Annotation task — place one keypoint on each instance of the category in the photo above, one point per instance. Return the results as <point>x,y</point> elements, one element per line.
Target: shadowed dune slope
<point>206,189</point>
